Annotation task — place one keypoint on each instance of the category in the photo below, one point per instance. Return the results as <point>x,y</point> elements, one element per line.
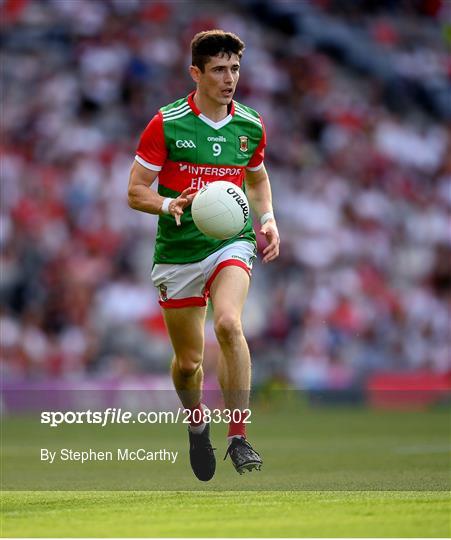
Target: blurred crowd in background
<point>355,98</point>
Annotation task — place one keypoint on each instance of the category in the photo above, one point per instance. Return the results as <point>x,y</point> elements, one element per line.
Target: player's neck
<point>212,110</point>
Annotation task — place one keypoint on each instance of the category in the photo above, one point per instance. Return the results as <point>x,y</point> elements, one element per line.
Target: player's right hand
<point>177,206</point>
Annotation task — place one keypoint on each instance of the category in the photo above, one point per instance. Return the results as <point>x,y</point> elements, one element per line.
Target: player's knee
<point>188,364</point>
<point>228,328</point>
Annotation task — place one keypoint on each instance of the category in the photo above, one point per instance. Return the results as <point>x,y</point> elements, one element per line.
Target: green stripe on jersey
<point>172,107</point>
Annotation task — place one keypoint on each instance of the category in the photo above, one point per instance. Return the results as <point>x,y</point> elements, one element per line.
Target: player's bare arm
<point>141,197</point>
<point>259,194</point>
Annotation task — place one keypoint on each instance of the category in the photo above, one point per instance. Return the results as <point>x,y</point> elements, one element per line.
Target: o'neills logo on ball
<point>241,202</point>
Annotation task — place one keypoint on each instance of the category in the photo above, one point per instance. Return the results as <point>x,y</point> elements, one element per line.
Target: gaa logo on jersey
<point>243,143</point>
<point>185,144</point>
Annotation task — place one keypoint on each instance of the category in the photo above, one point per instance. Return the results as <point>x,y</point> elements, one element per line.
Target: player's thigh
<point>186,330</point>
<point>228,293</point>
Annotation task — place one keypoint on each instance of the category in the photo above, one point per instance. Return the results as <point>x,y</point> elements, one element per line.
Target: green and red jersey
<point>189,150</point>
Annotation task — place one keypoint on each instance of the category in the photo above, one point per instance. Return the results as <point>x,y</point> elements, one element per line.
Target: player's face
<point>219,78</point>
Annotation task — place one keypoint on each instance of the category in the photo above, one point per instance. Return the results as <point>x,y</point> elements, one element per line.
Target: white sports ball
<point>220,210</point>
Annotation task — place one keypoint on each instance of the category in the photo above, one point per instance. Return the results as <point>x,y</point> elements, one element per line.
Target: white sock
<point>197,430</point>
<point>230,439</point>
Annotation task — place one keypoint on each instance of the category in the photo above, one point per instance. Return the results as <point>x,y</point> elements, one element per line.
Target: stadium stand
<point>355,97</point>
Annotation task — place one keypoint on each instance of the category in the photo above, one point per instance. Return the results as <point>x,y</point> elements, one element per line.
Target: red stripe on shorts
<point>193,301</point>
<point>223,264</point>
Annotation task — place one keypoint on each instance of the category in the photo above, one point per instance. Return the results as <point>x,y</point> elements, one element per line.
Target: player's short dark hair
<point>210,43</point>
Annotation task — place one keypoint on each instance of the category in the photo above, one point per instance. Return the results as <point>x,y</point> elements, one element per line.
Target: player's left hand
<point>177,206</point>
<point>271,251</point>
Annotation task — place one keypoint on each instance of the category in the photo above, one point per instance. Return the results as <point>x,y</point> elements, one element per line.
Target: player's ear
<point>194,71</point>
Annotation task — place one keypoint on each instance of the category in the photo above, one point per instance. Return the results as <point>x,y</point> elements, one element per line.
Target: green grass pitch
<point>225,514</point>
<point>328,472</point>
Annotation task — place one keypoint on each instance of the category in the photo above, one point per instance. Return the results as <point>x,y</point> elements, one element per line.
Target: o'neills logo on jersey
<point>217,139</point>
<point>244,141</point>
<point>241,202</point>
<point>199,170</point>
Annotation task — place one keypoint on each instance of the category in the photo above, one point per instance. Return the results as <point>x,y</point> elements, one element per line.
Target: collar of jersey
<point>201,116</point>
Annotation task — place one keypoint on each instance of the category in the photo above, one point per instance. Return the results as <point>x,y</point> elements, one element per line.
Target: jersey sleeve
<point>152,151</point>
<point>256,161</point>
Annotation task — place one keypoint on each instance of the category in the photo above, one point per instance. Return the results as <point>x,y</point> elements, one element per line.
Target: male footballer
<point>201,138</point>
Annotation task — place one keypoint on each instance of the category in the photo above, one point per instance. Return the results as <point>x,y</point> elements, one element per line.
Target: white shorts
<point>186,285</point>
